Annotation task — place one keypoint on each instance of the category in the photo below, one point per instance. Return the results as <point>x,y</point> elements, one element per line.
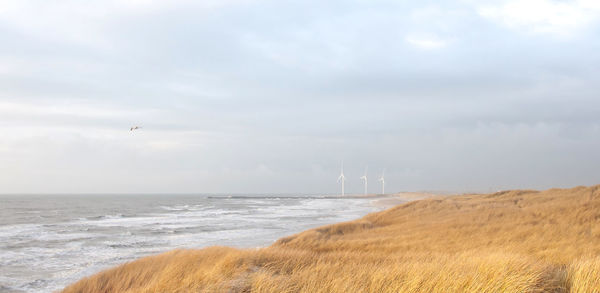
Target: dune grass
<point>514,241</point>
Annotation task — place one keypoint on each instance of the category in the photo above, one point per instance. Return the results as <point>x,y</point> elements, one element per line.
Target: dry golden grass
<point>514,241</point>
<point>584,275</point>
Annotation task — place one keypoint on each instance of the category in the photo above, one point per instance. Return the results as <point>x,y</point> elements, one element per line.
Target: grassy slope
<point>516,241</point>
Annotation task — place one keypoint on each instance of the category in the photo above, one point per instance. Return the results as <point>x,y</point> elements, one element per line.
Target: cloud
<point>562,18</point>
<point>272,95</point>
<point>426,42</point>
<point>90,24</point>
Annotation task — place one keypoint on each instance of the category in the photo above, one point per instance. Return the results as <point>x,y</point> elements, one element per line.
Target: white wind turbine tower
<point>382,179</point>
<point>364,178</point>
<point>342,178</point>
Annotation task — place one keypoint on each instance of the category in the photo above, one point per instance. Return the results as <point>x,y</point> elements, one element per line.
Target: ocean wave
<point>64,250</point>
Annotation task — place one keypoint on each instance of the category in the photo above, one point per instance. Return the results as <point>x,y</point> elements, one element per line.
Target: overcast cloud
<point>270,96</point>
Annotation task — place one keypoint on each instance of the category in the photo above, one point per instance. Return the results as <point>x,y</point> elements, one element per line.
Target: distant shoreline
<point>390,200</point>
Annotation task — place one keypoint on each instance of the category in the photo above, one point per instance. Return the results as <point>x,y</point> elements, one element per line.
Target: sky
<point>243,96</point>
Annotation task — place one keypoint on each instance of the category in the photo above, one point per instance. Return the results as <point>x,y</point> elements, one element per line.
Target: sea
<point>50,241</point>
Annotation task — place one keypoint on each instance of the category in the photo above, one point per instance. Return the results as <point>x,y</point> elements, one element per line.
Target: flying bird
<point>134,128</point>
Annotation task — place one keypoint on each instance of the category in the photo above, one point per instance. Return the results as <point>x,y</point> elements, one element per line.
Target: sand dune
<point>512,241</point>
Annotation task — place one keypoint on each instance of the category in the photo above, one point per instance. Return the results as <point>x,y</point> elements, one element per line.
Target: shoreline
<point>509,241</point>
<point>390,200</point>
<point>120,230</point>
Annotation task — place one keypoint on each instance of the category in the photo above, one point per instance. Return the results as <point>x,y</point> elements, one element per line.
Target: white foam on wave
<point>63,252</point>
<point>121,222</point>
<point>10,231</point>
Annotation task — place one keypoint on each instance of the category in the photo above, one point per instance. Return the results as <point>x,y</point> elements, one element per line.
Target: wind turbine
<point>342,178</point>
<point>364,178</point>
<point>382,180</point>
